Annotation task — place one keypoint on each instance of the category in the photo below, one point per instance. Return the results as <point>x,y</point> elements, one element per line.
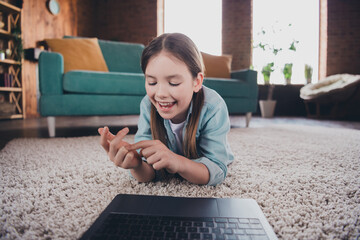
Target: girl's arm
<point>118,153</point>
<point>159,157</point>
<point>194,172</point>
<point>143,173</point>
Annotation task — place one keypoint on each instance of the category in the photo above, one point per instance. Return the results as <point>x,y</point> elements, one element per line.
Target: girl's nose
<point>161,91</point>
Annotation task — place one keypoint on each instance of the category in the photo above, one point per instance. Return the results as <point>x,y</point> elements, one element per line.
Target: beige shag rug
<point>305,179</point>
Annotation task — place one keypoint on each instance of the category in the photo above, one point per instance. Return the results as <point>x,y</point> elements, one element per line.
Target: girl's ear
<point>198,82</point>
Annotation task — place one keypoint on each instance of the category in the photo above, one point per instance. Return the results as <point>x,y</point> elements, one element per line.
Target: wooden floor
<point>87,126</point>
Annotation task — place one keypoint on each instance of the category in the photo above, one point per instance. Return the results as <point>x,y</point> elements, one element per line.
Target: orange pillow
<point>217,66</point>
<point>79,53</point>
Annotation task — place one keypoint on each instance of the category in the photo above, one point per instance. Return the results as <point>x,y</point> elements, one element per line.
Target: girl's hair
<point>183,48</point>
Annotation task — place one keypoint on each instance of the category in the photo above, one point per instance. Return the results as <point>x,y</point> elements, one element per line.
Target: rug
<point>305,179</point>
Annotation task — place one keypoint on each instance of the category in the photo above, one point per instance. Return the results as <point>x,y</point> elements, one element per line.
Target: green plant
<point>308,73</point>
<point>273,49</point>
<point>16,32</point>
<point>287,71</point>
<point>266,71</point>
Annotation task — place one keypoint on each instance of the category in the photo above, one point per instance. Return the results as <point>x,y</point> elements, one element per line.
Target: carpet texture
<point>305,179</point>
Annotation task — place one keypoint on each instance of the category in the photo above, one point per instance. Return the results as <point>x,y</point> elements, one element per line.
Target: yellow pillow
<point>79,53</point>
<point>217,66</point>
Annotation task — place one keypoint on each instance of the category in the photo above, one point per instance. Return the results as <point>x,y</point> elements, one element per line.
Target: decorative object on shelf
<point>2,24</point>
<point>8,53</point>
<point>7,108</point>
<point>2,55</point>
<point>53,7</point>
<point>287,71</point>
<point>308,73</point>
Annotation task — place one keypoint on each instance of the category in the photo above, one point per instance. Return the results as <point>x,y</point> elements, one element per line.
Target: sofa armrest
<point>51,70</point>
<point>249,76</point>
<point>245,74</point>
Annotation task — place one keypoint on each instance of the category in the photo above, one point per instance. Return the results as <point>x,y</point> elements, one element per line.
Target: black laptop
<point>162,217</point>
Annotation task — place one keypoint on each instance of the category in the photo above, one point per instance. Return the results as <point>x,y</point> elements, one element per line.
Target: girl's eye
<point>151,83</point>
<point>174,84</point>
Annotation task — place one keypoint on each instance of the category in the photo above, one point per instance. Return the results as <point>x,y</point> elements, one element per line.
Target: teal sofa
<point>120,91</point>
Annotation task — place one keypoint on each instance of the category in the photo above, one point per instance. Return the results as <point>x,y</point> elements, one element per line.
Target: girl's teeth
<point>165,104</point>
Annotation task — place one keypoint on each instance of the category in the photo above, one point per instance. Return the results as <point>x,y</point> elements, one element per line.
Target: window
<point>201,20</point>
<point>276,25</point>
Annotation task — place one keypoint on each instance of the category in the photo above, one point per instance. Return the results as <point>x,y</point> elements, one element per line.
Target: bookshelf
<point>12,102</point>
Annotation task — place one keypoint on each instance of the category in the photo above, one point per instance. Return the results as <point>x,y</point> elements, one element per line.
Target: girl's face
<point>170,86</point>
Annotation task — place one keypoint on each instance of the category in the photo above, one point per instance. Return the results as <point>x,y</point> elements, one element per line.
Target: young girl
<point>183,125</point>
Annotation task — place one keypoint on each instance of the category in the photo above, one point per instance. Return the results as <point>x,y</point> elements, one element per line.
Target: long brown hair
<point>185,50</point>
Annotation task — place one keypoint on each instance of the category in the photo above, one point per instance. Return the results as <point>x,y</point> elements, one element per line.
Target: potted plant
<point>308,73</point>
<point>287,71</point>
<point>272,50</point>
<point>266,72</point>
<point>267,107</point>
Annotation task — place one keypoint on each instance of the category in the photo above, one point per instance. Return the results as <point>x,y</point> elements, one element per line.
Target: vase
<point>267,108</point>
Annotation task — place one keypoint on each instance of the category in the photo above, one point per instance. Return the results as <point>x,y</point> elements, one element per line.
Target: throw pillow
<point>79,53</point>
<point>217,66</point>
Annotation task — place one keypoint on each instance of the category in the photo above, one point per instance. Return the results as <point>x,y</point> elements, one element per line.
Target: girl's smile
<point>170,86</point>
<point>165,106</point>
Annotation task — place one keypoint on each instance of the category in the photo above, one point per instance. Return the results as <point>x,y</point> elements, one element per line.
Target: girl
<point>183,125</point>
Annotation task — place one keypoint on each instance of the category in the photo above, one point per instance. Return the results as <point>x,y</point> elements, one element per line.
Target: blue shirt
<point>211,134</point>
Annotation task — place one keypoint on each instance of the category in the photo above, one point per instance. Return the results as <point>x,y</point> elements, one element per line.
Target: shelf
<point>4,6</point>
<point>10,61</point>
<point>10,89</point>
<point>11,67</point>
<point>14,116</point>
<point>5,33</point>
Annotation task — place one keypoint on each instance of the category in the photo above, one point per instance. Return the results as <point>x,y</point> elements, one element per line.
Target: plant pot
<point>267,108</point>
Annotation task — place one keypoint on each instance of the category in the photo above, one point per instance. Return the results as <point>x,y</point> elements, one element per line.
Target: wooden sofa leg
<point>248,118</point>
<point>51,126</point>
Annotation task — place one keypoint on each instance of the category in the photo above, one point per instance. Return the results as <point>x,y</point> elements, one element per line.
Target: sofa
<point>120,90</point>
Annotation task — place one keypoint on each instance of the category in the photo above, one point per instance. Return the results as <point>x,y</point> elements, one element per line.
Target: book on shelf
<point>7,80</point>
<point>2,80</point>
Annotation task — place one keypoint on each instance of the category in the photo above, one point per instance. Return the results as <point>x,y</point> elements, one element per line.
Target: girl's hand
<point>117,150</point>
<point>158,155</point>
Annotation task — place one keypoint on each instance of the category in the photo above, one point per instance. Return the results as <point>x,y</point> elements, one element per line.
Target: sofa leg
<point>247,118</point>
<point>51,126</point>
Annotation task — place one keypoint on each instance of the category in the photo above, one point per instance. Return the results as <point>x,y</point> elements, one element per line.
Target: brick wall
<point>128,21</point>
<point>136,21</point>
<point>343,35</point>
<point>237,32</point>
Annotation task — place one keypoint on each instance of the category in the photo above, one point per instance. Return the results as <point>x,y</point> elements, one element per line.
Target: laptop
<point>163,217</point>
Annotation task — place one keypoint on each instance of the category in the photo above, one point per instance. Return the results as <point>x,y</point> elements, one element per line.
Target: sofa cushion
<point>89,82</point>
<point>79,54</point>
<point>228,88</point>
<point>122,56</point>
<point>217,66</point>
